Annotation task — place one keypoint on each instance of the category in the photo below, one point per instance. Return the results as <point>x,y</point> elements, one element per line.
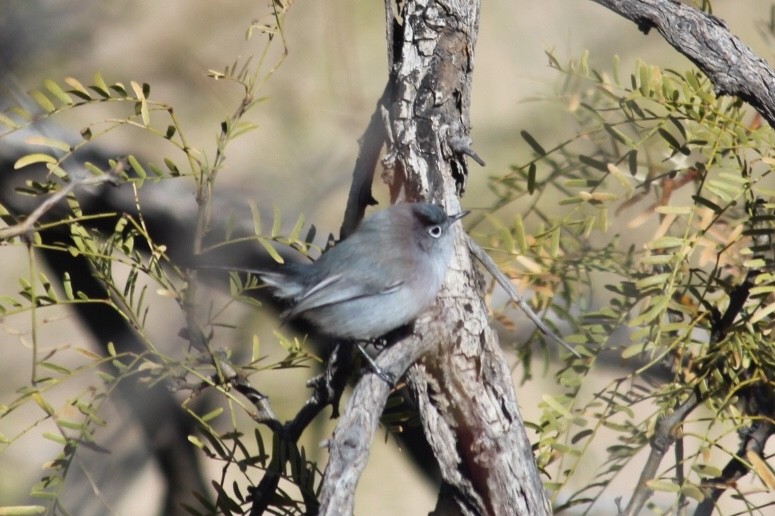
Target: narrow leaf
<point>533,143</point>
<point>173,168</point>
<point>42,101</point>
<point>58,92</point>
<point>761,468</point>
<point>100,86</point>
<point>531,178</point>
<point>669,138</point>
<point>30,159</point>
<point>556,405</point>
<point>6,121</point>
<point>49,142</point>
<point>519,234</point>
<point>591,162</point>
<point>43,404</point>
<point>78,89</point>
<point>138,90</point>
<point>632,162</point>
<point>276,223</point>
<point>707,203</point>
<point>257,226</point>
<point>665,242</point>
<point>296,231</point>
<point>136,166</point>
<point>271,250</point>
<point>68,286</point>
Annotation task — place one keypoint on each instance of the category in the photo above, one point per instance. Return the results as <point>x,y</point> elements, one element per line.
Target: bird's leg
<point>381,343</point>
<point>386,376</point>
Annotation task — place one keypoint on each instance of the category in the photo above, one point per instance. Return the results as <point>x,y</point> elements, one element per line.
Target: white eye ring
<point>434,231</point>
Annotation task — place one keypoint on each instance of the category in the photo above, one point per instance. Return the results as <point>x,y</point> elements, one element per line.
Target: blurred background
<point>299,159</point>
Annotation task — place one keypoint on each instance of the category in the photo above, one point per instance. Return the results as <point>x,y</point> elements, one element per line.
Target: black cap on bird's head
<point>434,218</point>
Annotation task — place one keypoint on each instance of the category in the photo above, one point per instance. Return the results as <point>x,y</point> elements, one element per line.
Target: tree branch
<point>363,174</point>
<point>351,442</point>
<point>754,441</point>
<point>111,176</point>
<point>487,262</point>
<point>664,437</point>
<point>729,63</point>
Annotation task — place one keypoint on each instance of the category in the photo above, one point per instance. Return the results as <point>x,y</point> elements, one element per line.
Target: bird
<point>380,278</point>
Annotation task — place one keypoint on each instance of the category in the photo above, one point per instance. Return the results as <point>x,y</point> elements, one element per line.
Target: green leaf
<point>665,242</point>
<point>212,414</point>
<point>557,405</point>
<point>42,101</point>
<point>266,244</point>
<point>674,210</point>
<point>616,134</point>
<point>138,90</point>
<point>31,159</point>
<point>531,178</point>
<point>7,121</point>
<point>632,162</point>
<point>257,226</point>
<point>173,168</point>
<point>707,203</point>
<point>136,166</point>
<point>654,280</point>
<point>592,162</point>
<point>120,89</point>
<point>196,441</point>
<point>706,470</point>
<point>43,404</point>
<point>693,491</point>
<point>49,142</point>
<point>100,87</point>
<point>77,88</point>
<point>519,234</point>
<point>92,168</point>
<point>276,223</point>
<point>643,75</point>
<point>664,486</point>
<point>533,143</point>
<point>21,510</point>
<point>296,231</point>
<point>58,92</point>
<point>140,94</point>
<point>634,350</point>
<point>658,306</point>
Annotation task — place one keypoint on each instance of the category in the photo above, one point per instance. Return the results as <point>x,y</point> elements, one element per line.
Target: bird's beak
<point>457,216</point>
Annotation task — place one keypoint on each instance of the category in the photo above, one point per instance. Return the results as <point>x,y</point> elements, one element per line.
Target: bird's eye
<point>434,231</point>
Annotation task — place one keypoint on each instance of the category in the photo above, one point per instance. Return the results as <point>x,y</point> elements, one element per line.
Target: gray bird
<point>378,279</point>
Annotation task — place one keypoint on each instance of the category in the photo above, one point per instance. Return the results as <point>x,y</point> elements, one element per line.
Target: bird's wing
<point>337,289</point>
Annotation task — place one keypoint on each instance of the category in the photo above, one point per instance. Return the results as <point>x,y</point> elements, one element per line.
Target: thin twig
<point>504,282</point>
<point>754,442</point>
<point>26,226</point>
<point>328,388</point>
<point>363,173</point>
<point>664,437</point>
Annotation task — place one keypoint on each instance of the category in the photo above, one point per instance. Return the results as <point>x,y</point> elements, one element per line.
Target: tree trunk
<point>462,385</point>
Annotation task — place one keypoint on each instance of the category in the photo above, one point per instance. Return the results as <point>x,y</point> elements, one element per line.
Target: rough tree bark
<point>729,63</point>
<point>463,385</point>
